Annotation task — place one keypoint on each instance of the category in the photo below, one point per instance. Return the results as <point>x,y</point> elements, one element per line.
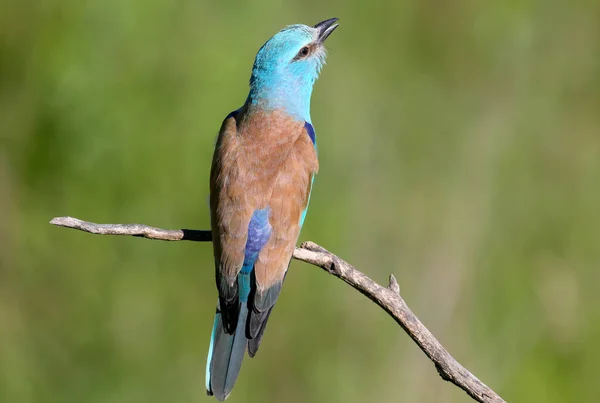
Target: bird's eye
<point>304,52</point>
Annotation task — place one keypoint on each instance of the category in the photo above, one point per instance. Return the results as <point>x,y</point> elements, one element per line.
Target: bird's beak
<point>326,28</point>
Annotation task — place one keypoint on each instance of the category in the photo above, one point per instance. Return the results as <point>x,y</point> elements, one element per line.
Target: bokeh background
<point>460,149</point>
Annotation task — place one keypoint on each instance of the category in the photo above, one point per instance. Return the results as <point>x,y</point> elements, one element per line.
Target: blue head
<point>287,66</point>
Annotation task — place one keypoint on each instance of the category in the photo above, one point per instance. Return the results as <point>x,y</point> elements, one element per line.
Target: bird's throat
<point>290,96</point>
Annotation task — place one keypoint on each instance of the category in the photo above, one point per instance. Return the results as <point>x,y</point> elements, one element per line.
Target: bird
<point>262,172</point>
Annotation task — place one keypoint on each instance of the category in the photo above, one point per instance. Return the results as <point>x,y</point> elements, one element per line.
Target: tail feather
<point>227,348</point>
<point>225,355</point>
<point>262,304</point>
<point>254,343</point>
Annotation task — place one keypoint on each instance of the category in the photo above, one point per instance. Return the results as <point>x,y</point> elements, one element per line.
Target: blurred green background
<point>460,149</point>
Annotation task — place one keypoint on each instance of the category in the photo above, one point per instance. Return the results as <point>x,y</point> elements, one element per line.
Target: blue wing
<point>310,130</point>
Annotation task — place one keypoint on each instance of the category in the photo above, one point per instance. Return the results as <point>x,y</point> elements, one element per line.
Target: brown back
<point>261,160</point>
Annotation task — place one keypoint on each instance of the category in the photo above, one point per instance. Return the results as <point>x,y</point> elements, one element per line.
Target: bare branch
<point>139,230</point>
<point>388,298</point>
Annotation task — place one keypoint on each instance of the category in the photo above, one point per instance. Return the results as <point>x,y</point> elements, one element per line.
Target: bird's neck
<point>291,96</point>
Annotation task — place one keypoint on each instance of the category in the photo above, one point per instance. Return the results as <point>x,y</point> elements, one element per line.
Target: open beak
<point>326,28</point>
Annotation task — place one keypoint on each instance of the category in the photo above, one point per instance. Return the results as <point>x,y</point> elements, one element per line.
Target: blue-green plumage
<point>253,245</point>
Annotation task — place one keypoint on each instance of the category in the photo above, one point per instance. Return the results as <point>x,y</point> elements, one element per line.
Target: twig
<point>139,230</point>
<point>387,298</point>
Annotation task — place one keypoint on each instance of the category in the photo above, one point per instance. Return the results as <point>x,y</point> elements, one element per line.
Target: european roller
<point>260,182</point>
